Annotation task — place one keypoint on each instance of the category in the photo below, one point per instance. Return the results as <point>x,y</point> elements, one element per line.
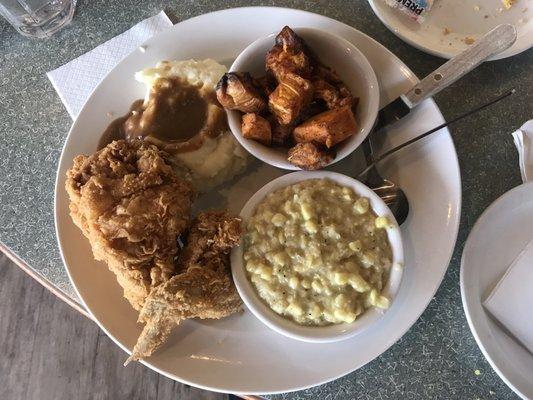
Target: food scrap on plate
<point>508,3</point>
<point>300,104</point>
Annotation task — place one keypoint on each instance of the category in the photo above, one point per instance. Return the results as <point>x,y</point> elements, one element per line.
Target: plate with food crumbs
<point>445,28</point>
<point>149,191</point>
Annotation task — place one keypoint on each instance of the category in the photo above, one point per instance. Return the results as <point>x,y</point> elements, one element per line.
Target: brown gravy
<point>175,112</point>
<point>115,130</point>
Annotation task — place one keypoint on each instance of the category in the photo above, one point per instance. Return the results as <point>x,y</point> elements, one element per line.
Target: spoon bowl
<point>391,194</point>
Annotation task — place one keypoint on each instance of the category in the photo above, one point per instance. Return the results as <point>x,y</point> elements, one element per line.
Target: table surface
<point>438,356</point>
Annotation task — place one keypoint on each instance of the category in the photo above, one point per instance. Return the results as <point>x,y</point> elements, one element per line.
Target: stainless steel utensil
<point>391,193</point>
<point>393,196</point>
<point>495,41</point>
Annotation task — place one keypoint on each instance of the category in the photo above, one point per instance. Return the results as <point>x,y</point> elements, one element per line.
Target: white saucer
<point>497,238</point>
<point>464,19</point>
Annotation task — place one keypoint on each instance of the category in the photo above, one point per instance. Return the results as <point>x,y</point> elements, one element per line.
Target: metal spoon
<point>493,42</point>
<point>391,193</point>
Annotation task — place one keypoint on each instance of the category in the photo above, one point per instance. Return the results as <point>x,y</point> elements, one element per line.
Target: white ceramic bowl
<point>319,334</point>
<point>334,52</point>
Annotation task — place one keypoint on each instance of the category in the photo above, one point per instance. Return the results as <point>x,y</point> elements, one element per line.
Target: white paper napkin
<point>511,301</point>
<point>76,80</point>
<point>523,140</point>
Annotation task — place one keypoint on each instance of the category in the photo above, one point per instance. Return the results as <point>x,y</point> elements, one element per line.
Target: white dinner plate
<point>239,354</point>
<point>464,19</point>
<point>497,238</point>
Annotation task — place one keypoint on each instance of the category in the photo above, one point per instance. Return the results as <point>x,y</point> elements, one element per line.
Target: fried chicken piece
<point>256,128</point>
<point>328,128</point>
<point>203,287</point>
<point>237,91</point>
<point>292,95</point>
<point>309,156</point>
<point>130,204</point>
<point>288,56</point>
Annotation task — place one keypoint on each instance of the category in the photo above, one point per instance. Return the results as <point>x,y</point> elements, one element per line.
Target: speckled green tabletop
<point>437,358</point>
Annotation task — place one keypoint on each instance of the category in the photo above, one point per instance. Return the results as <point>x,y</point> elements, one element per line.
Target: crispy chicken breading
<point>132,207</point>
<point>203,287</point>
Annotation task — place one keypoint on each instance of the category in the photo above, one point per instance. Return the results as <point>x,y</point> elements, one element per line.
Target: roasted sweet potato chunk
<point>328,128</point>
<point>237,91</point>
<point>329,75</point>
<point>300,102</point>
<point>332,96</point>
<point>288,56</point>
<point>309,156</point>
<point>291,96</point>
<point>316,107</point>
<point>266,84</point>
<point>256,128</point>
<point>281,134</point>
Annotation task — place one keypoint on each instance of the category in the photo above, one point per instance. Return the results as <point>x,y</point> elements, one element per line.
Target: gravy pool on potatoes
<point>181,115</point>
<point>176,115</point>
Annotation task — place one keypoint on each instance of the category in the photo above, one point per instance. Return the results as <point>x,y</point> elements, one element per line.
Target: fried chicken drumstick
<point>132,207</point>
<point>203,287</point>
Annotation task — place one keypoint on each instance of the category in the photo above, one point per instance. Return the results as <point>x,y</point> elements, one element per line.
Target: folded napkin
<point>76,80</point>
<point>511,301</point>
<point>523,140</point>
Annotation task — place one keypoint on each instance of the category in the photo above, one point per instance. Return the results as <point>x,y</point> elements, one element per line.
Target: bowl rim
<point>329,333</point>
<point>357,57</point>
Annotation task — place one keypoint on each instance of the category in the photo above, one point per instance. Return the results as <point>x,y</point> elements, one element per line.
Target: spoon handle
<point>423,135</point>
<point>495,41</point>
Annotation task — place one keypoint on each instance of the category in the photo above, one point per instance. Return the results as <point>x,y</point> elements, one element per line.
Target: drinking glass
<point>37,18</point>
